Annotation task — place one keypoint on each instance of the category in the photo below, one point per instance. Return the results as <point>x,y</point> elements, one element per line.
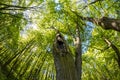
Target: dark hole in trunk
<point>60,41</point>
<point>60,44</point>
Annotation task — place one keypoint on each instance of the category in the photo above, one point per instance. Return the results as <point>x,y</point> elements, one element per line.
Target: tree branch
<point>92,3</point>
<point>115,49</point>
<point>105,22</point>
<point>15,7</point>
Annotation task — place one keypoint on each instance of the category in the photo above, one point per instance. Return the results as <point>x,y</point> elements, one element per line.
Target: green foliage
<point>26,51</point>
<point>2,76</point>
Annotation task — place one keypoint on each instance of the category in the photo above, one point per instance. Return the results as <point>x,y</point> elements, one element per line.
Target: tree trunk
<point>64,62</point>
<point>78,53</point>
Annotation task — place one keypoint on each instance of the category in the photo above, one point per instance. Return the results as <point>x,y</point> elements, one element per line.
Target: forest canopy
<point>28,39</point>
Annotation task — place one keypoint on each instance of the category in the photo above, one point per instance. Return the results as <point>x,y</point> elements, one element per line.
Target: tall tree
<point>45,39</point>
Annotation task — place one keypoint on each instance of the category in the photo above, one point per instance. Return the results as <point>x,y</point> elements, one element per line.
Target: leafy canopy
<point>27,35</point>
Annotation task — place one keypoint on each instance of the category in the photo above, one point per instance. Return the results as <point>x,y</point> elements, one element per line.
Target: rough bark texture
<point>64,62</point>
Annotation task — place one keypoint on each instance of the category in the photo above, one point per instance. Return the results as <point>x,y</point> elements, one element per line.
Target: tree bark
<point>64,62</point>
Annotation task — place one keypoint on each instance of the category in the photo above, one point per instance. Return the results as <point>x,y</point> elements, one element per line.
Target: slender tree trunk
<point>78,53</point>
<point>64,62</point>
